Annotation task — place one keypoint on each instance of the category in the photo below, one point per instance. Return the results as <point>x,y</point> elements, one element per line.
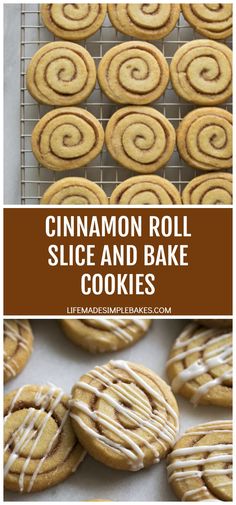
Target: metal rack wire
<point>103,170</point>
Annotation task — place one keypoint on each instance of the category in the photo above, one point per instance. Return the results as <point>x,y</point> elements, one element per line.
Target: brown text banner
<point>117,261</point>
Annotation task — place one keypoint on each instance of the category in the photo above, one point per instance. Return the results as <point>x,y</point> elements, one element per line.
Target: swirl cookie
<point>200,465</point>
<point>216,323</point>
<point>18,346</point>
<point>61,73</point>
<point>104,335</point>
<point>204,138</point>
<point>144,21</point>
<point>200,365</point>
<point>73,21</point>
<point>145,190</point>
<point>209,189</point>
<point>201,72</point>
<point>67,138</point>
<point>140,138</point>
<point>211,20</point>
<point>133,73</point>
<point>74,191</point>
<point>125,415</point>
<point>40,447</point>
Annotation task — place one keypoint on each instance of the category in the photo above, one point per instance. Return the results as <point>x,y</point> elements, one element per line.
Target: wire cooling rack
<point>103,170</point>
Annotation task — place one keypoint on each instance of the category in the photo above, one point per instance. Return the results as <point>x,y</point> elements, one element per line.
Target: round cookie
<point>124,415</point>
<point>201,72</point>
<point>144,21</point>
<point>18,346</point>
<point>215,323</point>
<point>61,73</point>
<point>209,189</point>
<point>211,20</point>
<point>73,21</point>
<point>200,465</point>
<point>105,335</point>
<point>74,191</point>
<point>67,138</point>
<point>133,73</point>
<point>140,138</point>
<point>200,365</point>
<point>40,447</point>
<point>204,138</point>
<point>145,190</point>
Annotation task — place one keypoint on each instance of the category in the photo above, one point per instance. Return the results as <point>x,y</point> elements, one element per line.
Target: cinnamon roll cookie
<point>200,365</point>
<point>200,465</point>
<point>18,345</point>
<point>145,190</point>
<point>133,73</point>
<point>67,138</point>
<point>73,21</point>
<point>140,138</point>
<point>104,335</point>
<point>40,447</point>
<point>125,415</point>
<point>144,21</point>
<point>204,138</point>
<point>74,191</point>
<point>209,189</point>
<point>211,20</point>
<point>61,73</point>
<point>201,72</point>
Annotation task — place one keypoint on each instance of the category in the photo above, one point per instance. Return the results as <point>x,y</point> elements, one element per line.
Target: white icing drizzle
<point>121,330</point>
<point>47,401</point>
<point>221,355</point>
<point>152,423</point>
<point>15,335</point>
<point>179,470</point>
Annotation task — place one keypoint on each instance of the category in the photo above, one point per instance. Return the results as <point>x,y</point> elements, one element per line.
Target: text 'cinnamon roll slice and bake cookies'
<point>200,365</point>
<point>144,21</point>
<point>105,335</point>
<point>145,190</point>
<point>61,73</point>
<point>17,346</point>
<point>200,465</point>
<point>74,191</point>
<point>40,447</point>
<point>67,138</point>
<point>133,73</point>
<point>124,415</point>
<point>73,21</point>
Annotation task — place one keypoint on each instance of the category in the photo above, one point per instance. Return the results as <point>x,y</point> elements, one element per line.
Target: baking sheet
<point>55,359</point>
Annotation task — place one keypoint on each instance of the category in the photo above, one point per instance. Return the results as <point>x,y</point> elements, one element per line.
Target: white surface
<point>55,359</point>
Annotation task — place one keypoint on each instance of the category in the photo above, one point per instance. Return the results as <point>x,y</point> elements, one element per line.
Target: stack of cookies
<point>134,75</point>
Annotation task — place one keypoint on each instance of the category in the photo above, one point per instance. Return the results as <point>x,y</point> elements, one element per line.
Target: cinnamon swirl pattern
<point>145,190</point>
<point>201,72</point>
<point>200,465</point>
<point>73,21</point>
<point>40,447</point>
<point>144,21</point>
<point>124,415</point>
<point>18,346</point>
<point>204,138</point>
<point>133,73</point>
<point>102,335</point>
<point>61,73</point>
<point>209,189</point>
<point>200,365</point>
<point>67,138</point>
<point>74,191</point>
<point>140,138</point>
<point>211,20</point>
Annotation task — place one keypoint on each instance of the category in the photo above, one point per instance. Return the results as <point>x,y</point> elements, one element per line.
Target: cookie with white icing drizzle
<point>200,465</point>
<point>200,365</point>
<point>124,415</point>
<point>104,335</point>
<point>18,345</point>
<point>40,447</point>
